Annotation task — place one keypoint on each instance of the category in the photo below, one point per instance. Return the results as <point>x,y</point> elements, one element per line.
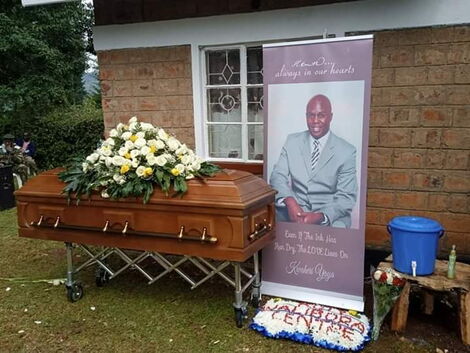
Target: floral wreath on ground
<point>136,156</point>
<point>315,324</point>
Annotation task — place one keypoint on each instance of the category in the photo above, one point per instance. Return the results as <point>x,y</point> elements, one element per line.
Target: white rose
<point>186,159</point>
<point>126,135</point>
<point>133,120</point>
<point>92,158</point>
<point>389,278</point>
<point>182,150</point>
<point>109,162</point>
<point>85,167</point>
<point>110,141</point>
<point>161,160</point>
<point>169,157</point>
<point>129,144</point>
<point>180,168</point>
<point>132,126</point>
<point>140,134</point>
<point>113,132</point>
<point>173,144</point>
<point>145,150</point>
<point>146,126</point>
<point>196,166</point>
<point>122,151</point>
<point>162,135</point>
<point>152,142</point>
<point>119,127</point>
<point>140,171</point>
<point>160,144</point>
<point>118,161</point>
<point>104,194</point>
<point>135,153</point>
<point>140,142</point>
<point>189,176</point>
<point>105,151</point>
<point>135,163</point>
<point>377,275</point>
<point>151,159</point>
<point>119,179</point>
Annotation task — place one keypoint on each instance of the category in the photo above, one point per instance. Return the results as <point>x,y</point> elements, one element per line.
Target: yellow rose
<point>148,171</point>
<point>133,138</point>
<point>127,155</point>
<point>175,172</point>
<point>153,149</point>
<point>124,169</point>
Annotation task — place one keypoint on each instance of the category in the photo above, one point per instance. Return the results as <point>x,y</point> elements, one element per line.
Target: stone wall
<point>420,131</point>
<point>152,83</point>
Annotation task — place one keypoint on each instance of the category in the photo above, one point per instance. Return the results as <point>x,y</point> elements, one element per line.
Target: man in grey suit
<point>315,175</point>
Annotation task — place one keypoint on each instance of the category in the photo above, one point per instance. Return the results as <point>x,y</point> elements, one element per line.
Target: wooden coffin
<point>227,217</point>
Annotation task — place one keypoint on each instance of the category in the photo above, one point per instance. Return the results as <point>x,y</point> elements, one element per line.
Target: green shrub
<point>62,135</point>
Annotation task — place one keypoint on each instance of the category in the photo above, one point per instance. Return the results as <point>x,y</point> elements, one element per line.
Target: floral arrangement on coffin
<point>319,325</point>
<point>387,286</point>
<point>134,158</point>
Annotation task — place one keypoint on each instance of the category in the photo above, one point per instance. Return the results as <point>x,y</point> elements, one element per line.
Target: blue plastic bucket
<point>414,243</point>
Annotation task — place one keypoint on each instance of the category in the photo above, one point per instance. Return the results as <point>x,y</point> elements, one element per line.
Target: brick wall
<point>420,131</point>
<point>420,120</point>
<point>152,83</point>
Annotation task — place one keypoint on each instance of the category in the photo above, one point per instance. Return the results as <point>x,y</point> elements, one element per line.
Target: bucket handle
<point>441,233</point>
<point>389,229</point>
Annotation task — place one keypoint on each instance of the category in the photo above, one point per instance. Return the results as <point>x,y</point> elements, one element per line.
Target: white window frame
<point>243,85</point>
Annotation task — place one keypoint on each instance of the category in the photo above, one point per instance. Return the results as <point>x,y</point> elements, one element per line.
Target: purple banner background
<point>313,256</point>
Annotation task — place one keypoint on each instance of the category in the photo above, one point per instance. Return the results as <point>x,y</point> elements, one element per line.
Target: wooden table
<point>438,281</point>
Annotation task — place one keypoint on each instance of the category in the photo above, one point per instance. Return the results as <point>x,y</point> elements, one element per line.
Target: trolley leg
<point>255,289</point>
<point>74,289</point>
<point>239,305</point>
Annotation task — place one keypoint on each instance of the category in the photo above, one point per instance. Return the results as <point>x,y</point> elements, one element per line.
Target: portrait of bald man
<point>315,175</point>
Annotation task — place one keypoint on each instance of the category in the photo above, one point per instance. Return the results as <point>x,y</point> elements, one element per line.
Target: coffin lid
<point>227,189</point>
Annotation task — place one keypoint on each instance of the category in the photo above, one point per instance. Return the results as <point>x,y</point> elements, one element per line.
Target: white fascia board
<point>41,2</point>
<point>297,23</point>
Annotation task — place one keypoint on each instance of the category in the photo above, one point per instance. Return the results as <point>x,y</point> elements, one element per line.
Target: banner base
<point>338,300</point>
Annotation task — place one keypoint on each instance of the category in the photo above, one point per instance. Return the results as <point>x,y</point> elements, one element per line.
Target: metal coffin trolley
<point>219,223</point>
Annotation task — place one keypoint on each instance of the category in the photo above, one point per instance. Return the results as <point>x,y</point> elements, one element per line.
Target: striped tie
<point>315,154</point>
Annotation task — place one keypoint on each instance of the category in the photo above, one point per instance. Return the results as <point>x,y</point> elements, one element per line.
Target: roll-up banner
<point>317,123</point>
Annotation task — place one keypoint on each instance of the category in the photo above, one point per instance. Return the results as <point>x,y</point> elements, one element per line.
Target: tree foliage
<point>42,57</point>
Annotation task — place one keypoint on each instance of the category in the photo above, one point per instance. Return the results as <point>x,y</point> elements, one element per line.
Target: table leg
<point>464,312</point>
<point>400,310</point>
<point>427,302</point>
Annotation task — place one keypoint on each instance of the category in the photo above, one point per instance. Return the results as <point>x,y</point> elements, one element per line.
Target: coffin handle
<point>260,230</point>
<point>181,233</point>
<point>124,231</point>
<point>57,221</point>
<point>40,221</point>
<point>106,226</point>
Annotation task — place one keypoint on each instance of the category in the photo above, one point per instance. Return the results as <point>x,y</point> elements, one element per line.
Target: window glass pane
<point>255,142</point>
<point>254,63</point>
<point>255,104</point>
<point>225,141</point>
<point>223,67</point>
<point>223,104</point>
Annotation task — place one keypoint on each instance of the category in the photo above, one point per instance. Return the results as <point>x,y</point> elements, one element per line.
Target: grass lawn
<point>128,315</point>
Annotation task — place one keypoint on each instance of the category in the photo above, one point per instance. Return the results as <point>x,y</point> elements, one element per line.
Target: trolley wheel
<point>240,315</point>
<point>255,298</point>
<point>74,292</point>
<point>102,277</point>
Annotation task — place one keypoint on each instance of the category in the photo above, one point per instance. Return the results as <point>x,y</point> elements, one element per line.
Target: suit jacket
<point>331,188</point>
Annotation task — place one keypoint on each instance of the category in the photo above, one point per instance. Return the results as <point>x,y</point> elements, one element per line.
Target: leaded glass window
<point>233,86</point>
